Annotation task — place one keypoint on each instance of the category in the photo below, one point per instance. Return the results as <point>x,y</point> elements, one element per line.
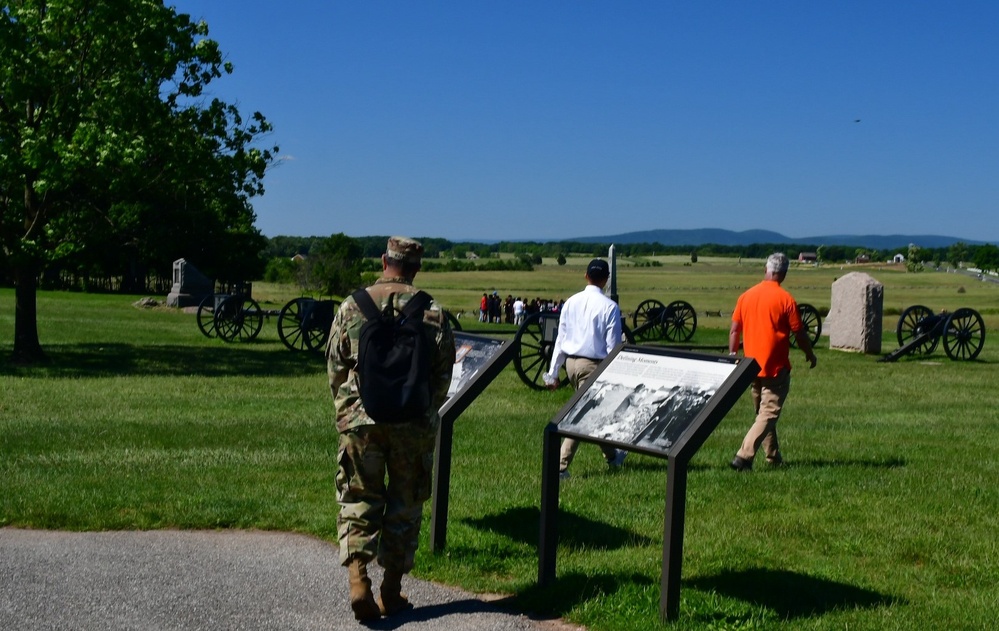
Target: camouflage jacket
<point>341,353</point>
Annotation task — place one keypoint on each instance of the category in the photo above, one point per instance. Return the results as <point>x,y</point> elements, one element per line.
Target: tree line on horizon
<point>439,248</point>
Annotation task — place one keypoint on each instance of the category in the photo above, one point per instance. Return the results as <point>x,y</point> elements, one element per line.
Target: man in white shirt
<point>518,311</point>
<point>589,328</point>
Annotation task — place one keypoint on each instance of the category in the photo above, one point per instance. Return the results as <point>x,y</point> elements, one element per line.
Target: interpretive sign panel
<point>478,360</point>
<point>658,401</point>
<point>473,353</point>
<point>643,400</point>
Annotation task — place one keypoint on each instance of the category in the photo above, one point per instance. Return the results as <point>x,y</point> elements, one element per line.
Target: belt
<point>592,359</point>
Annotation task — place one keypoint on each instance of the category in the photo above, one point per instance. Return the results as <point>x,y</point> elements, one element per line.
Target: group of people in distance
<point>513,310</point>
<point>384,468</point>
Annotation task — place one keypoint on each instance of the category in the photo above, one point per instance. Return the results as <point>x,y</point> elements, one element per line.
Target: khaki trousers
<point>768,395</point>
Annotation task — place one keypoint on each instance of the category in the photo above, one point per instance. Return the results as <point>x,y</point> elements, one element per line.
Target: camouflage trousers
<point>380,519</point>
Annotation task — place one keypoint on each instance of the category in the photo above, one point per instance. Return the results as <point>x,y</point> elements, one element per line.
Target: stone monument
<point>190,286</point>
<point>856,314</point>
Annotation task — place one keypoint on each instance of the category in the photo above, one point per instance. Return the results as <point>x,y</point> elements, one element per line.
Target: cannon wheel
<point>290,326</point>
<point>964,334</point>
<point>238,318</point>
<point>534,353</point>
<point>206,316</point>
<point>647,310</point>
<point>813,323</point>
<point>909,327</point>
<point>648,320</point>
<point>679,321</point>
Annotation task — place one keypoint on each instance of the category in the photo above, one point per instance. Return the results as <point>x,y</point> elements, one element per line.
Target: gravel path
<point>201,580</point>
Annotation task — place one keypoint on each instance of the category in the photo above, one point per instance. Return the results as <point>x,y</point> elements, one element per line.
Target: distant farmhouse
<point>808,257</point>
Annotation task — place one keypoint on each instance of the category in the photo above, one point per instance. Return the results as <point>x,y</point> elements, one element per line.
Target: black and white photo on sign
<point>645,399</point>
<point>471,354</point>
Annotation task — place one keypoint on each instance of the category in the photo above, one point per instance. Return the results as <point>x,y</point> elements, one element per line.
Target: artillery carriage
<point>919,330</point>
<point>654,321</point>
<point>303,323</point>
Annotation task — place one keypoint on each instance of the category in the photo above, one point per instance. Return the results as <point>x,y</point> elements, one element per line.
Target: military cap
<point>404,249</point>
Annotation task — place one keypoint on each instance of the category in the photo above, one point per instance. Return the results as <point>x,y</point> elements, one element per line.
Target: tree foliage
<point>111,155</point>
<point>334,267</point>
<point>987,258</point>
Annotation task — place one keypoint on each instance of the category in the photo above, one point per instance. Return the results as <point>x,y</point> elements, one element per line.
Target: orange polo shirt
<point>766,315</point>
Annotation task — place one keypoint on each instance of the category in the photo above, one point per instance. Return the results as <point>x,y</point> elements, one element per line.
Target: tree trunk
<point>27,349</point>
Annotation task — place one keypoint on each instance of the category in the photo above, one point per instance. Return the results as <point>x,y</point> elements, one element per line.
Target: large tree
<point>108,144</point>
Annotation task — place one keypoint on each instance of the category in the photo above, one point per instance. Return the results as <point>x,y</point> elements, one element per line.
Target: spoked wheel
<point>813,323</point>
<point>206,314</point>
<point>535,343</point>
<point>455,325</point>
<point>914,321</point>
<point>679,321</point>
<point>964,334</point>
<point>648,321</point>
<point>238,318</point>
<point>299,328</point>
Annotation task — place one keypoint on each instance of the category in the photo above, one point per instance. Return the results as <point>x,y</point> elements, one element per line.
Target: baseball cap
<point>598,268</point>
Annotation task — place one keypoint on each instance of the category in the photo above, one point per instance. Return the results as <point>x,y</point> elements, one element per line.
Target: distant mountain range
<point>748,237</point>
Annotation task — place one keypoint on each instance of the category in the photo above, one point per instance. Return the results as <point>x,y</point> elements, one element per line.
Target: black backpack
<point>393,360</point>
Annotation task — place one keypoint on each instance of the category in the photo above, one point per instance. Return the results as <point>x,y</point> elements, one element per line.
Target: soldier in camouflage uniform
<point>378,520</point>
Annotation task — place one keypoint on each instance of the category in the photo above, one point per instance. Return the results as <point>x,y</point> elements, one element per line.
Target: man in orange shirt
<point>765,316</point>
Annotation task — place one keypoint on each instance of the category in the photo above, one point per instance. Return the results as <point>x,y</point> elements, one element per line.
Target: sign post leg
<point>442,487</point>
<point>548,540</point>
<point>676,500</point>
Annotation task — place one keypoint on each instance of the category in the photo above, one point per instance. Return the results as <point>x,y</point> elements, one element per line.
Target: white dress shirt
<point>589,326</point>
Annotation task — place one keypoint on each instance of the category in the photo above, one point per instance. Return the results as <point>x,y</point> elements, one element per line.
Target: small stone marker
<point>190,286</point>
<point>856,314</point>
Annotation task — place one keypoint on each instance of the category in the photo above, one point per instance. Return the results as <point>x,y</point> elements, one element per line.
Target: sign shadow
<point>521,524</point>
<point>792,595</point>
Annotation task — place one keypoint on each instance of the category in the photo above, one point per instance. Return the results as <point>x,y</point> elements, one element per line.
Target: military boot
<point>392,599</point>
<point>362,601</point>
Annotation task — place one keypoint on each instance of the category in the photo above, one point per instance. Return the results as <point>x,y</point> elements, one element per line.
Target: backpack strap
<point>367,304</point>
<point>417,304</point>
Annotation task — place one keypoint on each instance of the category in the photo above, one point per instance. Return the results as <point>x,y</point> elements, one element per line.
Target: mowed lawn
<point>884,518</point>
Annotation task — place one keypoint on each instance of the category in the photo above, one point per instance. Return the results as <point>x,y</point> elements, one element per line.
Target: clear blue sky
<point>536,119</point>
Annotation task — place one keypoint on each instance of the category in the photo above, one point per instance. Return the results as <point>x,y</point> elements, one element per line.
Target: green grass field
<point>885,518</point>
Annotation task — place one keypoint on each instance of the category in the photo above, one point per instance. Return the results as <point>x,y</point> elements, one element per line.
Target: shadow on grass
<point>572,589</point>
<point>788,595</point>
<point>522,523</point>
<point>791,594</point>
<point>108,360</point>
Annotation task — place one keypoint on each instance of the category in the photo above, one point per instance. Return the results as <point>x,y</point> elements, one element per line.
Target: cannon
<point>231,317</point>
<point>303,323</point>
<point>813,323</point>
<point>919,331</point>
<point>653,321</point>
